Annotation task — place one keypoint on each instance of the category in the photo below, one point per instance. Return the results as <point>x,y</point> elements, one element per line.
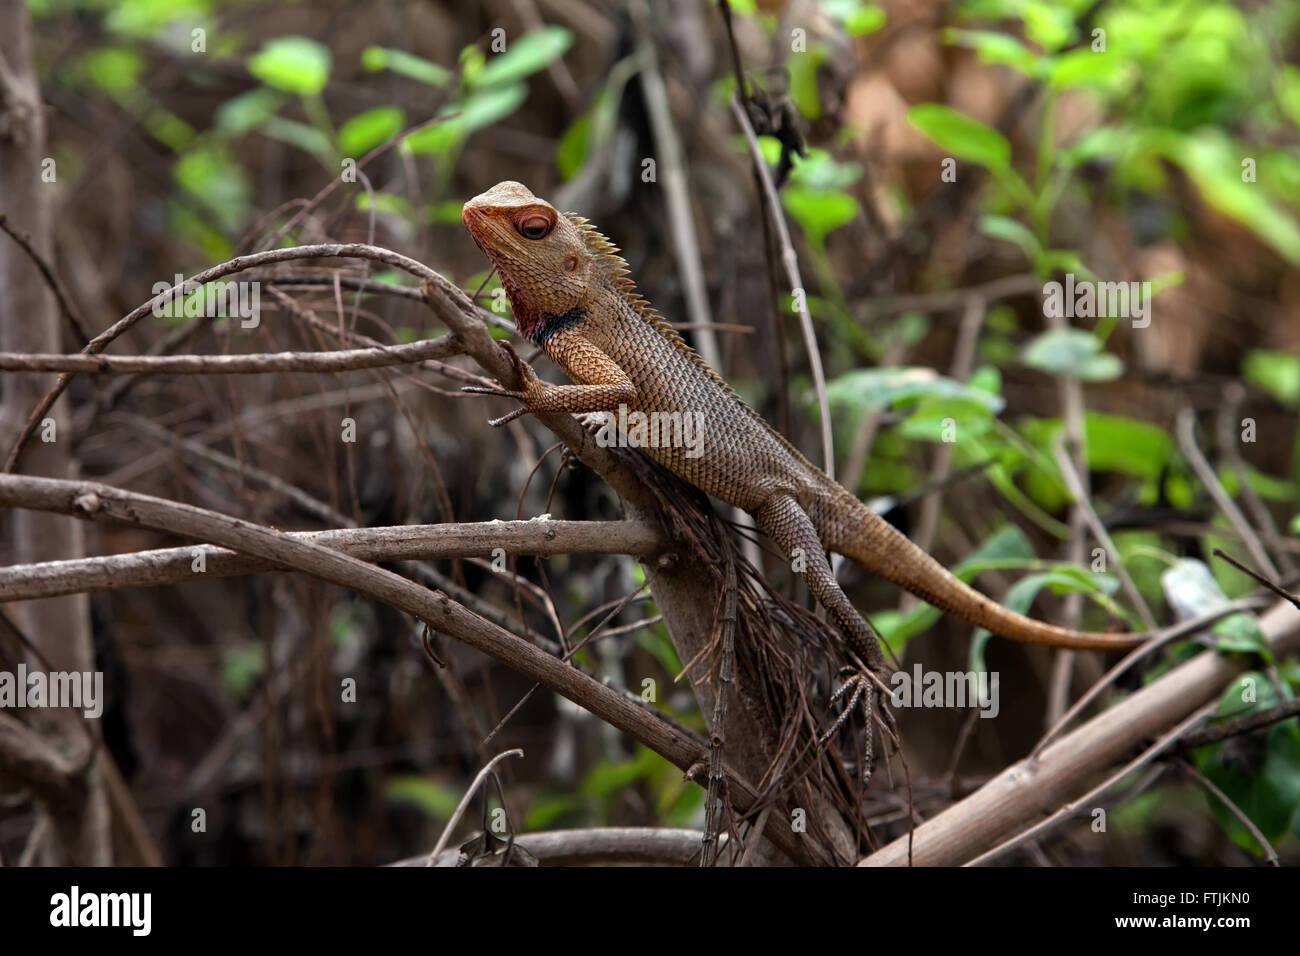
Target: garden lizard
<point>571,296</point>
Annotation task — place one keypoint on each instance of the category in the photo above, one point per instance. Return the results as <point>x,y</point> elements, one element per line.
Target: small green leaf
<point>246,112</point>
<point>1014,231</point>
<point>932,420</point>
<point>115,70</point>
<point>1049,25</point>
<point>307,138</point>
<point>436,800</point>
<point>996,48</point>
<point>881,388</point>
<point>367,130</point>
<point>571,151</point>
<point>483,108</point>
<point>966,138</point>
<point>1072,351</point>
<point>1288,92</point>
<point>405,64</point>
<point>1240,633</point>
<point>522,58</point>
<point>1277,373</point>
<point>819,213</point>
<point>867,19</point>
<point>211,174</point>
<point>1214,162</point>
<point>293,64</point>
<point>1084,68</point>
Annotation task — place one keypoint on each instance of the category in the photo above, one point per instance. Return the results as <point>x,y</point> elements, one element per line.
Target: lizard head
<point>542,257</point>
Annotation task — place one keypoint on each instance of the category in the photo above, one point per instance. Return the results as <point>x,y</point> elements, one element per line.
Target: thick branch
<point>1029,788</point>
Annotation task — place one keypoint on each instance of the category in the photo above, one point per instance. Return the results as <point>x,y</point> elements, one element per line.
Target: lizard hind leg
<point>788,525</point>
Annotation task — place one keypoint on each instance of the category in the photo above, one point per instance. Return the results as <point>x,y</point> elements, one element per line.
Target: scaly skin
<point>570,295</point>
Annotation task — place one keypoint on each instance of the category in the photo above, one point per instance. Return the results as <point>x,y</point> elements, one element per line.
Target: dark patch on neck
<point>548,323</point>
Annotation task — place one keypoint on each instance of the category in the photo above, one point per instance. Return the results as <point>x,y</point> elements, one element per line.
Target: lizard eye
<point>534,227</point>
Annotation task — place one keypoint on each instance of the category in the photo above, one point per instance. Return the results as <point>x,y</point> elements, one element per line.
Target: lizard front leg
<point>605,385</point>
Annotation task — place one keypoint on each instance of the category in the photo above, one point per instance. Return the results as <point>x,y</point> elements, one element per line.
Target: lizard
<point>571,295</point>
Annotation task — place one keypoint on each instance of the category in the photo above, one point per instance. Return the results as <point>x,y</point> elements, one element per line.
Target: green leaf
<point>932,420</point>
<point>996,48</point>
<point>819,213</point>
<point>867,19</point>
<point>609,777</point>
<point>307,138</point>
<point>1084,68</point>
<point>571,151</point>
<point>881,388</point>
<point>367,130</point>
<point>819,170</point>
<point>1115,443</point>
<point>146,18</point>
<point>405,64</point>
<point>1101,142</point>
<point>530,53</point>
<point>1072,351</point>
<point>544,812</point>
<point>1048,25</point>
<point>803,81</point>
<point>246,112</point>
<point>1215,164</point>
<point>1013,231</point>
<point>483,108</point>
<point>294,64</point>
<point>964,137</point>
<point>1240,633</point>
<point>1288,92</point>
<point>115,70</point>
<point>1263,781</point>
<point>1277,373</point>
<point>437,801</point>
<point>211,174</point>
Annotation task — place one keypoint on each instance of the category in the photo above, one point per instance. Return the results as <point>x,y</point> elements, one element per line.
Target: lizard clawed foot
<point>859,688</point>
<point>532,387</point>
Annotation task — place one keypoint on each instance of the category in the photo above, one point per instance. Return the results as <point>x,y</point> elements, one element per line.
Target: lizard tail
<point>848,527</point>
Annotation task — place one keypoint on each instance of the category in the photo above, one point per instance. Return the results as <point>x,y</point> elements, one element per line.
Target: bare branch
<point>430,542</point>
<point>343,360</point>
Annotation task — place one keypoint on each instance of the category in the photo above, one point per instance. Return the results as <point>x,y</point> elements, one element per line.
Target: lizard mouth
<point>472,220</point>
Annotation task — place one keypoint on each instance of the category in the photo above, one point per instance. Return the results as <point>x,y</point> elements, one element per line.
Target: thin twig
<point>1192,452</point>
<point>465,799</point>
<point>47,273</point>
<point>343,360</point>
<point>791,262</point>
<point>1269,853</point>
<point>1074,483</point>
